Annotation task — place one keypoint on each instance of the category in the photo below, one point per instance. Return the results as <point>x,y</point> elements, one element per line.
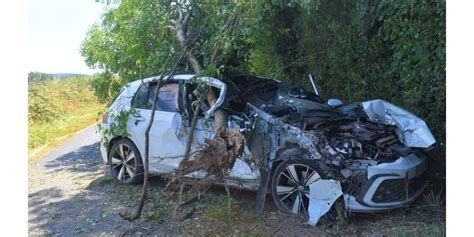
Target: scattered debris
<point>347,140</point>
<point>323,193</point>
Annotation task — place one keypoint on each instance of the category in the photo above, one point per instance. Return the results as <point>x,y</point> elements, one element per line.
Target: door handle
<point>139,119</point>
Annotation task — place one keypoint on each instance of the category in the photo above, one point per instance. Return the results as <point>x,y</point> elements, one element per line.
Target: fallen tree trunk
<point>218,154</point>
<point>207,158</point>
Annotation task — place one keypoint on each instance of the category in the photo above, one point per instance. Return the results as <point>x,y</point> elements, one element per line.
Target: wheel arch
<point>117,138</point>
<point>294,152</point>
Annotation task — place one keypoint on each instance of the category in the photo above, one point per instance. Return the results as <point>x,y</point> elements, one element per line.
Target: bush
<point>361,50</point>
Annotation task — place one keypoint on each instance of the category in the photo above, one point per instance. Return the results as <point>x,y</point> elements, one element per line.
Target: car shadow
<point>85,159</point>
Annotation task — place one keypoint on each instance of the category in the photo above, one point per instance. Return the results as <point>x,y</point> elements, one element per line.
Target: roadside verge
<point>46,148</point>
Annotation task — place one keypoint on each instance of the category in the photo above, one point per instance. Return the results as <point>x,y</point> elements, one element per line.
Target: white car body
<point>168,138</point>
<point>168,134</point>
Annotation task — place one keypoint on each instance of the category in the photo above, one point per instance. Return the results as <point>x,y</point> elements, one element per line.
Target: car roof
<point>212,81</point>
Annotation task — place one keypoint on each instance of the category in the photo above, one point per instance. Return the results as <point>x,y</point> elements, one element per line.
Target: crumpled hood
<point>412,131</point>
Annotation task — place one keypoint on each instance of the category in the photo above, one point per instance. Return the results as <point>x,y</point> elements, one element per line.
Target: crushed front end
<point>386,185</point>
<point>375,170</point>
<point>373,151</point>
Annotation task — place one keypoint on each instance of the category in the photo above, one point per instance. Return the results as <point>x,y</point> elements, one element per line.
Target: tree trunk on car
<point>180,26</point>
<point>229,142</point>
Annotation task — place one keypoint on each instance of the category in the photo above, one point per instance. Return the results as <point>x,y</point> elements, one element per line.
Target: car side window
<point>167,97</point>
<point>141,97</point>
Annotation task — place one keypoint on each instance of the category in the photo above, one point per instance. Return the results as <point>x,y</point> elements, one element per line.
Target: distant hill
<point>66,75</point>
<point>39,76</point>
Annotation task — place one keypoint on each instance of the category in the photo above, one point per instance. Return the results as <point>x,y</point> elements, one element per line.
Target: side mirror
<point>334,102</point>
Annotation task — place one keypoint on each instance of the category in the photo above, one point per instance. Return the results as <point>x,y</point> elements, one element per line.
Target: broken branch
<point>147,142</point>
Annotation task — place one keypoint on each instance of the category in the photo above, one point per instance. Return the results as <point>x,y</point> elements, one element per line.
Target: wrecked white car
<point>304,151</point>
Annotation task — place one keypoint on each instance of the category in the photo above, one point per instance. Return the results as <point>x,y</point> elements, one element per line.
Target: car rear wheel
<point>290,186</point>
<point>125,162</point>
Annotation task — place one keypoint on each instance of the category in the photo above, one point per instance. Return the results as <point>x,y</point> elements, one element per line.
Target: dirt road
<point>62,196</point>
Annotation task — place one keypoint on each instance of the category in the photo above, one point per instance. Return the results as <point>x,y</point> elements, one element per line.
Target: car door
<point>165,146</point>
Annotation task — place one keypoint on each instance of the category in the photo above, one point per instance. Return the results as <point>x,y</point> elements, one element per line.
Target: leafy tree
<point>361,50</point>
<point>135,38</point>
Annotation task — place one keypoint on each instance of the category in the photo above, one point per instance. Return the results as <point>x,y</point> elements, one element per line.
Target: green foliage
<point>134,40</point>
<point>41,107</point>
<point>106,86</point>
<point>359,50</point>
<point>58,107</point>
<point>118,125</point>
<point>53,99</point>
<point>131,43</point>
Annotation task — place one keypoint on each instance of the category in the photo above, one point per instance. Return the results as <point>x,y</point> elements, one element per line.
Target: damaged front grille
<point>396,190</point>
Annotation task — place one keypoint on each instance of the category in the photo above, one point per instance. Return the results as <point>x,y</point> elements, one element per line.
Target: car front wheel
<point>125,162</point>
<point>290,186</point>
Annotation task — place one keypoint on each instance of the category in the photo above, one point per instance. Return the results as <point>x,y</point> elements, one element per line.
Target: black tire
<point>287,191</point>
<point>125,167</point>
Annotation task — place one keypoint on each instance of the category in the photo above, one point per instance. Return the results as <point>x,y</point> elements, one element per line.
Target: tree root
<point>217,155</point>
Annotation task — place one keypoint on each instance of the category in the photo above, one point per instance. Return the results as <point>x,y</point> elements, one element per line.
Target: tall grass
<point>58,107</point>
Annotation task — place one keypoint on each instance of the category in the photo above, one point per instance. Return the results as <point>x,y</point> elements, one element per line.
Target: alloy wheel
<point>123,162</point>
<point>292,187</point>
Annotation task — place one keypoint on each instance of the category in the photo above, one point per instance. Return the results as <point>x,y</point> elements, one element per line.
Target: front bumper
<point>389,185</point>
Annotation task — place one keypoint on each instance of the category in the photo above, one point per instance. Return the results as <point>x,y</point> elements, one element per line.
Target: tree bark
<point>220,153</point>
<point>220,118</point>
<point>180,26</point>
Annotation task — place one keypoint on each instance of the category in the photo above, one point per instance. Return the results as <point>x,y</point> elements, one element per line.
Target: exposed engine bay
<point>360,146</point>
<point>344,134</point>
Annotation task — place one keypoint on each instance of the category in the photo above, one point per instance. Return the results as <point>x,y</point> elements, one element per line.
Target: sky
<point>56,29</point>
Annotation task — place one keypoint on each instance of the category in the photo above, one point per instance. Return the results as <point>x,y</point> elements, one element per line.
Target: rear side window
<point>141,97</point>
<point>167,97</point>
